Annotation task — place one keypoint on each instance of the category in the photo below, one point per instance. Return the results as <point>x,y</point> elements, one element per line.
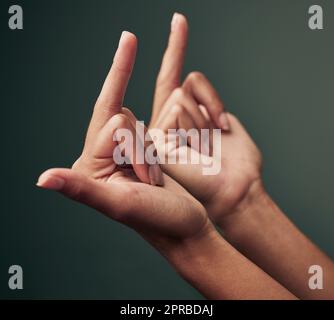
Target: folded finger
<point>199,86</point>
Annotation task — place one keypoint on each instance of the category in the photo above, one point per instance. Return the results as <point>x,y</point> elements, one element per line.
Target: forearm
<point>218,271</point>
<point>266,236</point>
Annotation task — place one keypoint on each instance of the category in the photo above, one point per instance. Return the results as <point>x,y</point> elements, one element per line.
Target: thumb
<point>104,197</point>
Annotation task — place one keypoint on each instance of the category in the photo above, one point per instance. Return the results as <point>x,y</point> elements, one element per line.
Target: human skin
<point>160,210</point>
<point>235,198</point>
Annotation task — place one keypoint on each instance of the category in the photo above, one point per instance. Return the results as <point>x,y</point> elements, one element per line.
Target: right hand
<point>139,196</point>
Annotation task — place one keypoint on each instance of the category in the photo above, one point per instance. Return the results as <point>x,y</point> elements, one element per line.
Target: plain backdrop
<point>271,70</point>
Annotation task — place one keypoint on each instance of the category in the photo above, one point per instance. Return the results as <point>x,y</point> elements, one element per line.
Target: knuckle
<point>119,120</point>
<point>195,76</point>
<point>165,82</point>
<point>178,93</point>
<point>126,111</point>
<point>178,109</point>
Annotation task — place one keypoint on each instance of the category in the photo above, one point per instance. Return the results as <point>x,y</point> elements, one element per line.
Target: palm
<point>240,163</point>
<point>168,210</point>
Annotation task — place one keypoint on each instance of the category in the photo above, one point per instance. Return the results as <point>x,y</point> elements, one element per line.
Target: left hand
<point>195,104</point>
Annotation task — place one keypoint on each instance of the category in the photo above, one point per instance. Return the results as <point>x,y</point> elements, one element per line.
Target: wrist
<point>193,257</point>
<point>218,271</point>
<point>194,247</point>
<point>255,206</point>
<point>255,197</point>
<point>255,200</point>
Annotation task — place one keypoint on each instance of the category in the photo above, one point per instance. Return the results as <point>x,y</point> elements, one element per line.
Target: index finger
<point>172,63</point>
<point>112,94</point>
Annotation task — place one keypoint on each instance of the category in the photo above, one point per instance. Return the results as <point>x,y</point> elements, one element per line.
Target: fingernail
<point>125,34</point>
<point>175,20</point>
<point>223,121</point>
<point>50,182</point>
<point>122,36</point>
<point>155,174</point>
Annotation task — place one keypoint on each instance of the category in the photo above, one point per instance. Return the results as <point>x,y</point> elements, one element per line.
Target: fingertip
<point>155,175</point>
<point>224,122</point>
<point>48,180</point>
<point>178,21</point>
<point>125,55</point>
<point>54,178</point>
<point>127,38</point>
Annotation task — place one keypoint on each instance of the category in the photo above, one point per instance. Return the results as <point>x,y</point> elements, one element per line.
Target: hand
<point>166,215</point>
<point>127,194</point>
<point>234,198</point>
<point>195,104</point>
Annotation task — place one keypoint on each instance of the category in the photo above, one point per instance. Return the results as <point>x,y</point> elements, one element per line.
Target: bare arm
<point>234,198</point>
<point>261,231</point>
<point>218,271</point>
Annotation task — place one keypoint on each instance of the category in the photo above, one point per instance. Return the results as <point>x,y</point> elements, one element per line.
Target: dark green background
<point>272,71</point>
